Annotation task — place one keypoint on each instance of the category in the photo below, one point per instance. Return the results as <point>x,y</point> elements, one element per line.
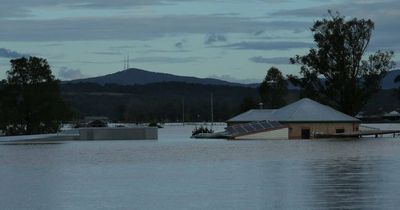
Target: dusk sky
<point>228,39</point>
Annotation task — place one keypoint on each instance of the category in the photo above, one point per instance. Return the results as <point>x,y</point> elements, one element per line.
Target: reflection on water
<point>344,183</point>
<point>177,172</point>
<point>30,143</point>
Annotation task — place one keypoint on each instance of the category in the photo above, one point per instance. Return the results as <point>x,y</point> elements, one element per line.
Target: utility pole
<point>183,111</point>
<point>212,109</point>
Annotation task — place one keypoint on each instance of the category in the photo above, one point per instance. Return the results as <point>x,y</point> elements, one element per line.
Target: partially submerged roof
<point>304,110</point>
<point>392,114</point>
<point>252,127</point>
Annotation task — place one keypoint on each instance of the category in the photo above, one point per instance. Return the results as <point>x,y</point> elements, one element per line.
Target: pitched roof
<point>254,115</point>
<point>304,110</point>
<point>392,114</point>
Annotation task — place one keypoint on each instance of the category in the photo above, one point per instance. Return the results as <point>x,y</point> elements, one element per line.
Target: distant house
<point>304,119</point>
<point>96,122</point>
<point>393,115</point>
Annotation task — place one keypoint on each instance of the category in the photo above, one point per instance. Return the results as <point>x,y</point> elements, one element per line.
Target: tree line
<point>161,102</point>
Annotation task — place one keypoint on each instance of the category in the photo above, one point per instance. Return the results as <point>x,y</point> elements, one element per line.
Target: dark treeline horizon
<point>161,102</point>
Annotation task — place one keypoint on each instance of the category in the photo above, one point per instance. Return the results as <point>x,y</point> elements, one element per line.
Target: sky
<point>234,40</point>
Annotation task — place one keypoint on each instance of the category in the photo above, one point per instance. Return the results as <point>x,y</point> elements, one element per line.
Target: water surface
<point>177,172</point>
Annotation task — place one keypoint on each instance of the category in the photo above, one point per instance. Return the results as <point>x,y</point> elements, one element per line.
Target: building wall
<point>279,134</point>
<point>319,128</point>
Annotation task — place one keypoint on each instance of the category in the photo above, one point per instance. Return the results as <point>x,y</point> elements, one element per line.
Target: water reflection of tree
<point>343,184</point>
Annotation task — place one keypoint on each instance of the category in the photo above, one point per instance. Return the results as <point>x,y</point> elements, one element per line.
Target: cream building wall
<point>295,129</point>
<point>279,134</point>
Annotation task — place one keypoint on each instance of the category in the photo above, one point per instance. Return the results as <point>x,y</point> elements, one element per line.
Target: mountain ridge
<point>135,76</point>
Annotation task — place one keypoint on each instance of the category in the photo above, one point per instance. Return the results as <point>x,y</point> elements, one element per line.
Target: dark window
<point>305,133</point>
<point>340,130</point>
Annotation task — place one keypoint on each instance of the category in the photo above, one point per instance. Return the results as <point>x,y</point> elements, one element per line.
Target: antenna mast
<point>124,63</point>
<point>183,110</point>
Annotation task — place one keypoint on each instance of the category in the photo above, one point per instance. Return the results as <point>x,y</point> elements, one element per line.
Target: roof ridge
<point>297,109</point>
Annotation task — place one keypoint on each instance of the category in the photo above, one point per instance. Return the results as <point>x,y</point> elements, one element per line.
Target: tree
<point>247,103</point>
<point>273,89</point>
<point>31,102</point>
<point>334,71</point>
<point>397,80</point>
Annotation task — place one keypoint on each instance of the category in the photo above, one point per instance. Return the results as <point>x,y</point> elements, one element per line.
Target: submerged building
<point>303,119</point>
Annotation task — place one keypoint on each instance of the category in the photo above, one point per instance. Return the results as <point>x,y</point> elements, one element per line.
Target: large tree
<point>334,71</point>
<point>31,102</point>
<point>273,89</point>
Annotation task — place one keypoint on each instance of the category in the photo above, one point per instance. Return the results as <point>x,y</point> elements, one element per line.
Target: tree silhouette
<point>273,89</point>
<point>334,71</point>
<point>31,102</point>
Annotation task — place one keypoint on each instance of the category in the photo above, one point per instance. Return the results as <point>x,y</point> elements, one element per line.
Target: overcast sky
<point>228,39</point>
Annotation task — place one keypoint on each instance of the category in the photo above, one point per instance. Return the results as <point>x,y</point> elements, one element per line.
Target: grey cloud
<point>180,44</point>
<point>267,45</point>
<point>134,28</point>
<point>6,53</point>
<point>298,30</point>
<point>120,3</point>
<point>362,9</point>
<point>273,60</point>
<point>258,33</point>
<point>166,51</point>
<point>385,14</point>
<point>22,8</point>
<point>70,74</point>
<point>166,60</point>
<point>213,38</point>
<point>53,45</point>
<point>107,53</point>
<point>121,47</point>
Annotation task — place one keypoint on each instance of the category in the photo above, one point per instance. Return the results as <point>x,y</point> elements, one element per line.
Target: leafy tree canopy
<point>273,89</point>
<point>247,103</point>
<point>334,71</point>
<point>30,102</point>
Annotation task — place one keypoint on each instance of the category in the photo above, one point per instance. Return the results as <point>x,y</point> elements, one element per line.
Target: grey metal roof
<point>304,110</point>
<point>254,115</point>
<point>392,114</point>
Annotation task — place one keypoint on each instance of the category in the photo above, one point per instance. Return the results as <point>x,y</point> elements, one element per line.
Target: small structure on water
<point>392,116</point>
<point>304,119</point>
<point>92,122</point>
<point>96,122</point>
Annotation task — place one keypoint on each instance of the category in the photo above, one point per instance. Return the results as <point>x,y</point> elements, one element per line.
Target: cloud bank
<point>6,53</point>
<point>66,73</point>
<point>273,60</point>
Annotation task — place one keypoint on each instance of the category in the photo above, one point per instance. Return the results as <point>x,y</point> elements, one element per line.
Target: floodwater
<point>177,172</point>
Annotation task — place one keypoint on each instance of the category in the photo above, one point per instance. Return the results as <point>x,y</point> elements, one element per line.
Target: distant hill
<point>388,81</point>
<point>135,76</point>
